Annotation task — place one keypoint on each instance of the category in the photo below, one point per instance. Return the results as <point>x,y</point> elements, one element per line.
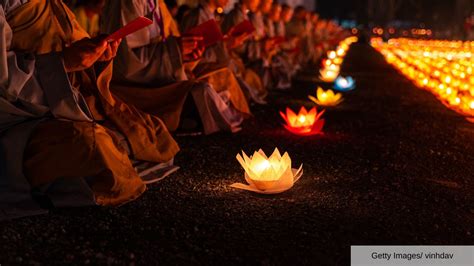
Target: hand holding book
<point>244,27</point>
<point>191,48</point>
<point>238,34</point>
<point>135,25</point>
<point>209,31</point>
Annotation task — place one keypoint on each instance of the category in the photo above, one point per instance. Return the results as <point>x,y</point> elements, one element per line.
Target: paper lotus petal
<point>305,123</point>
<point>326,98</point>
<point>331,54</point>
<point>267,175</point>
<point>334,67</point>
<point>328,75</point>
<point>344,84</point>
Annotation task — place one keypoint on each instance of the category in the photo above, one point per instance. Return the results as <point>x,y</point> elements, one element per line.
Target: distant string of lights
<point>403,32</point>
<point>332,65</point>
<point>442,67</point>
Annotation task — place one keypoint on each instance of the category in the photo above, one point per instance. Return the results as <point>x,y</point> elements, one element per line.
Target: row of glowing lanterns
<point>274,174</point>
<point>414,31</point>
<point>442,67</point>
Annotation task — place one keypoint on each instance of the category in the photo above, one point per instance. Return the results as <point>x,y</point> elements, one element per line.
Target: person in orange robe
<point>153,69</point>
<point>88,14</point>
<point>239,54</point>
<point>216,59</point>
<point>66,136</point>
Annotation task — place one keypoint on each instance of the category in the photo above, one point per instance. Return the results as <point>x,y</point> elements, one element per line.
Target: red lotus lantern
<point>305,123</point>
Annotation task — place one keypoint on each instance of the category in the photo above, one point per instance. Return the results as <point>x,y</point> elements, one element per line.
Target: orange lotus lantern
<point>268,175</point>
<point>305,123</point>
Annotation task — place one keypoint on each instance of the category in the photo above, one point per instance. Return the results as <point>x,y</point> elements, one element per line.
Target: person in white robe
<point>151,65</point>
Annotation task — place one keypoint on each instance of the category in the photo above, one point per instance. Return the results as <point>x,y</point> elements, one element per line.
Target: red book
<point>243,27</point>
<point>209,30</point>
<point>135,25</point>
<point>278,40</point>
<point>293,51</point>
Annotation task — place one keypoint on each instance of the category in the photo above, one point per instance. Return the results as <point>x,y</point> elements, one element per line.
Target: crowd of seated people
<point>83,120</point>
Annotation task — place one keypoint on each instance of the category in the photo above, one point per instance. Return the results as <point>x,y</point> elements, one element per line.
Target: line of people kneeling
<point>76,129</point>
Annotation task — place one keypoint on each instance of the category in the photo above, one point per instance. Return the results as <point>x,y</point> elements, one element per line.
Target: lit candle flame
<point>305,123</point>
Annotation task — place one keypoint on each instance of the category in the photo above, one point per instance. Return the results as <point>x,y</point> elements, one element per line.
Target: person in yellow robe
<point>217,56</point>
<point>282,71</point>
<point>239,54</point>
<point>87,15</point>
<point>153,66</point>
<point>64,134</point>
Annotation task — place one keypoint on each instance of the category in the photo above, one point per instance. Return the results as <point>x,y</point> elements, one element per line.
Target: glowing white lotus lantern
<point>268,175</point>
<point>341,52</point>
<point>334,67</point>
<point>328,75</point>
<point>332,54</point>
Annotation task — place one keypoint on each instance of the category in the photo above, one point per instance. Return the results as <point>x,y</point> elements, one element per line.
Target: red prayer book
<point>209,30</point>
<point>278,40</point>
<point>243,27</point>
<point>134,25</point>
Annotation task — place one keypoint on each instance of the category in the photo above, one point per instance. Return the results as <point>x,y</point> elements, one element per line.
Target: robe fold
<point>255,45</point>
<point>281,71</point>
<point>215,58</point>
<point>248,78</point>
<point>299,30</point>
<point>149,72</point>
<point>52,139</point>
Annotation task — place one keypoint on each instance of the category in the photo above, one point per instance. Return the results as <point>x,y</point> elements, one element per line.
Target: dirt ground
<point>394,166</point>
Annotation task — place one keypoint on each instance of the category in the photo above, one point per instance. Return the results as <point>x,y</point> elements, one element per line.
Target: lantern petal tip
<point>297,173</point>
<point>243,187</point>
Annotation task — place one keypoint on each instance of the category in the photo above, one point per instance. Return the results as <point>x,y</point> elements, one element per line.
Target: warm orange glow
<point>305,123</point>
<point>328,75</point>
<point>331,66</point>
<point>326,98</point>
<point>443,67</point>
<point>268,175</point>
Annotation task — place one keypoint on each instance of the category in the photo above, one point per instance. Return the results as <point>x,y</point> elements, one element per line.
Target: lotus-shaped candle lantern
<point>328,75</point>
<point>332,54</point>
<point>344,84</point>
<point>326,98</point>
<point>268,175</point>
<point>305,123</point>
<point>334,67</point>
<point>338,61</point>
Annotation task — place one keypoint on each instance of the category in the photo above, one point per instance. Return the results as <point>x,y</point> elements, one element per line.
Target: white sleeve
<point>33,85</point>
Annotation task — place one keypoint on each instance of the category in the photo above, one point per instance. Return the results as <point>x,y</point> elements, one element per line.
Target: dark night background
<point>440,15</point>
<point>394,166</point>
